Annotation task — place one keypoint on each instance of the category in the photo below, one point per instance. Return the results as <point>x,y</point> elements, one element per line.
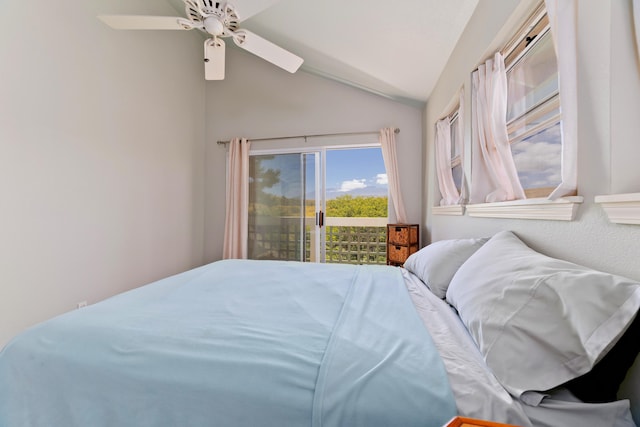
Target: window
<point>533,107</point>
<point>544,163</point>
<point>449,161</point>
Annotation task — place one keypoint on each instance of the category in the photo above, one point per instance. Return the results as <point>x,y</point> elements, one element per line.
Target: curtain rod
<point>396,130</point>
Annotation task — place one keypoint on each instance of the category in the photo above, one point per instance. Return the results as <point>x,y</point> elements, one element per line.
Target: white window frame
<point>538,23</point>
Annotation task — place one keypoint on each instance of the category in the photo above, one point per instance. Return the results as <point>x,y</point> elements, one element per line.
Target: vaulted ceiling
<point>396,49</point>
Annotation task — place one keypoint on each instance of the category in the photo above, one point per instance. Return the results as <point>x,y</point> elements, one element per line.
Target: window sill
<point>621,208</point>
<point>448,210</point>
<point>563,209</point>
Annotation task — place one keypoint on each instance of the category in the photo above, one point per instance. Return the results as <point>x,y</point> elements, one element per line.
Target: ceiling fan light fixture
<point>213,26</point>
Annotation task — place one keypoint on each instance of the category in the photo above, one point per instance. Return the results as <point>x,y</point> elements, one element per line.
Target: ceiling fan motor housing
<point>217,18</point>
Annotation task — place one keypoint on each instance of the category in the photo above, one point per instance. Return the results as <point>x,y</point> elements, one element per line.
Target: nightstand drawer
<point>400,254</point>
<point>401,234</point>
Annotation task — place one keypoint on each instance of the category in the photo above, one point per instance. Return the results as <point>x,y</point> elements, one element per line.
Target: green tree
<point>259,177</point>
<point>360,206</point>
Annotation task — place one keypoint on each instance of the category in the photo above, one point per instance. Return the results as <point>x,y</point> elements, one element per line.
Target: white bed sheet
<point>478,393</point>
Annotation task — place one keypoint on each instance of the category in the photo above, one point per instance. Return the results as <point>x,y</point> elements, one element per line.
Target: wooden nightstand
<point>402,241</point>
<point>472,422</point>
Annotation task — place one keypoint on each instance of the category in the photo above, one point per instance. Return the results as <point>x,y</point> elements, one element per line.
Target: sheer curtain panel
<point>494,177</point>
<point>562,19</point>
<point>237,201</point>
<point>387,139</point>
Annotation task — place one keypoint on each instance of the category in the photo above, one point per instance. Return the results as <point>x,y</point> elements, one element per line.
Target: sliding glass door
<point>356,206</point>
<point>283,207</point>
<point>289,193</point>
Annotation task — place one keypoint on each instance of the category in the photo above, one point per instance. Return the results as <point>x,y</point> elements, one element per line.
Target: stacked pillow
<point>436,264</point>
<point>541,322</point>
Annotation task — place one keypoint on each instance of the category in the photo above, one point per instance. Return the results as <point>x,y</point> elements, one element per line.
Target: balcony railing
<point>346,240</point>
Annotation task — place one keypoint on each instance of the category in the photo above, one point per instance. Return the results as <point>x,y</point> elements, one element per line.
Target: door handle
<point>320,219</point>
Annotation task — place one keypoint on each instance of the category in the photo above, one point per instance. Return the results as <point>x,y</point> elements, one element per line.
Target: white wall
<point>256,99</point>
<point>609,101</point>
<point>101,155</point>
<point>625,105</point>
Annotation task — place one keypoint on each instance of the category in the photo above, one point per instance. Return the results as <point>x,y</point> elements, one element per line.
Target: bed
<point>269,343</point>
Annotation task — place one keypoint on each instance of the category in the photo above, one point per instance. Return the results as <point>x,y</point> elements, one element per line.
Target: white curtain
<point>636,20</point>
<point>236,229</point>
<point>387,140</point>
<point>562,19</point>
<point>448,190</point>
<point>494,177</point>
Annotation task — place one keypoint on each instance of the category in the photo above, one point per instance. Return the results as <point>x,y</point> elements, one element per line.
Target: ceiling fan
<point>219,19</point>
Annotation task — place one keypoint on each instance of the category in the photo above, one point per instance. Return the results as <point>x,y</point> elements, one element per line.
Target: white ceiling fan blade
<point>247,8</point>
<point>267,50</point>
<point>140,22</point>
<point>214,59</point>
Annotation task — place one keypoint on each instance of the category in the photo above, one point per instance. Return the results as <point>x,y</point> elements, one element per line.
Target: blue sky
<point>355,171</point>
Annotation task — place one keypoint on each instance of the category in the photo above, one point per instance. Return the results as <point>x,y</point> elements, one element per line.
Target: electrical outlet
<point>82,304</point>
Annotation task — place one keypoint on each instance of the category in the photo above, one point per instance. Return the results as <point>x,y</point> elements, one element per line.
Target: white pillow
<point>436,263</point>
<point>539,321</point>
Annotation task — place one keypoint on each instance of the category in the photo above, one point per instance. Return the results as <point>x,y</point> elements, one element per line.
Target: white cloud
<point>538,163</point>
<point>353,184</point>
<point>532,157</point>
<point>381,179</point>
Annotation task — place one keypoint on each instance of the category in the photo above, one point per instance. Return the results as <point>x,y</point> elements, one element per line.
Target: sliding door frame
<point>318,243</point>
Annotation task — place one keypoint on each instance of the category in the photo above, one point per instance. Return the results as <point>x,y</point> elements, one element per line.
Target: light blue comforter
<point>233,343</point>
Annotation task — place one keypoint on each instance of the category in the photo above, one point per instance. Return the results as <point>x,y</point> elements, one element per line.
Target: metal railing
<point>346,240</point>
